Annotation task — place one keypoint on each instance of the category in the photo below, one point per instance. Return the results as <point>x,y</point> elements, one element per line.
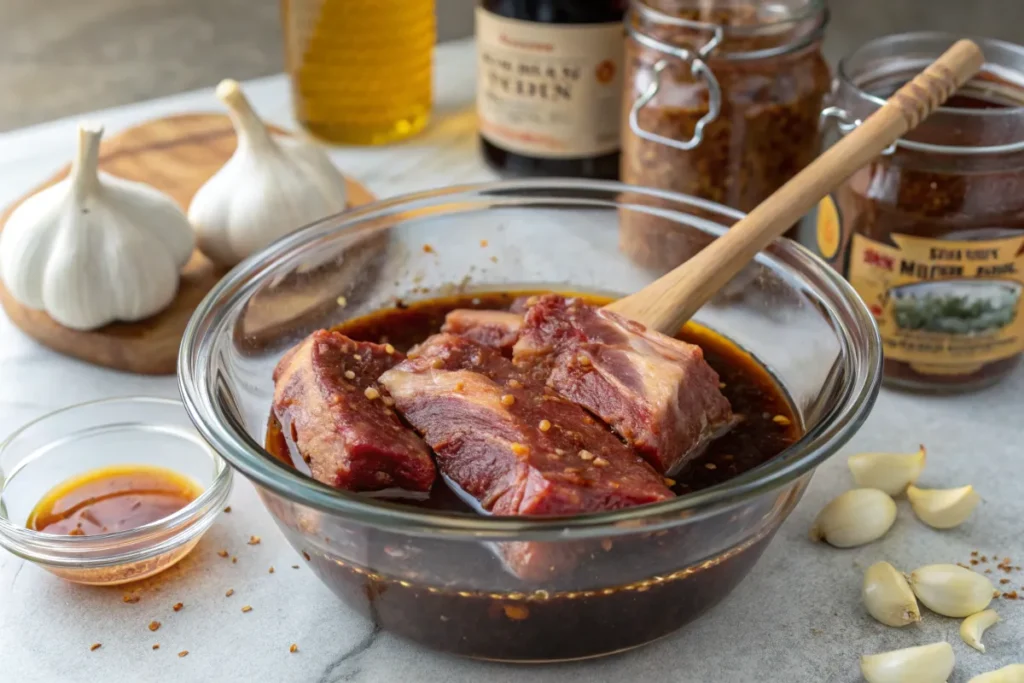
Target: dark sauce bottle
<point>550,86</point>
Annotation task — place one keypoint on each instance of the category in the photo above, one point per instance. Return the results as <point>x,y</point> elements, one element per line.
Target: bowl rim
<point>232,441</point>
<point>106,550</point>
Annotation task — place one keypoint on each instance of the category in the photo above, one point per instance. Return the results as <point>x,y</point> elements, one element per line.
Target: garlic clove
<point>887,596</point>
<point>271,186</point>
<point>974,626</point>
<point>889,472</point>
<point>950,590</point>
<point>93,248</point>
<point>943,508</point>
<point>924,664</point>
<point>1014,673</point>
<point>854,518</point>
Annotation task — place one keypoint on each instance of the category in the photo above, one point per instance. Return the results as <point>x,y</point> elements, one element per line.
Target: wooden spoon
<point>668,302</point>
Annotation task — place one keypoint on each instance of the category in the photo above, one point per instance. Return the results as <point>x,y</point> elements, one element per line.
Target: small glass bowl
<point>98,434</point>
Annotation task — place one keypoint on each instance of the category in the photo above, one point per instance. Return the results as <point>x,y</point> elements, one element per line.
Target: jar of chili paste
<point>931,233</point>
<point>722,98</point>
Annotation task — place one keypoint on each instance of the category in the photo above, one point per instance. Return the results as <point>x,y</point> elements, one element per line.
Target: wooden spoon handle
<point>671,300</point>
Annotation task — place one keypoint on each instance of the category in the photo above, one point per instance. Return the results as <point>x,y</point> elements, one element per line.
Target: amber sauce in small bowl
<point>110,491</point>
<point>112,499</point>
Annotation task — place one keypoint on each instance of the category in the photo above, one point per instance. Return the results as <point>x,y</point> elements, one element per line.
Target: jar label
<point>549,90</point>
<point>943,306</point>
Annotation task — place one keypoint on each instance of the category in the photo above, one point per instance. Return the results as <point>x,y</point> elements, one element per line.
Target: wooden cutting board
<point>176,155</point>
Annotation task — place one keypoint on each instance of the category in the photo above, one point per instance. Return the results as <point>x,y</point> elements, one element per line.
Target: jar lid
<point>985,117</point>
<point>726,29</point>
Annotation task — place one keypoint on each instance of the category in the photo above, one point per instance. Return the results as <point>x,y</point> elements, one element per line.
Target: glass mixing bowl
<point>433,577</point>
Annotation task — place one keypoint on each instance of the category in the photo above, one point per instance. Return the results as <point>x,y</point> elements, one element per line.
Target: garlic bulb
<point>93,248</point>
<point>943,508</point>
<point>1014,673</point>
<point>854,518</point>
<point>887,596</point>
<point>974,627</point>
<point>890,472</point>
<point>950,590</point>
<point>925,664</point>
<point>271,186</point>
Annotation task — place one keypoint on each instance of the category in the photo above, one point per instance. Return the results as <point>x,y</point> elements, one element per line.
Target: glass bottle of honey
<point>360,70</point>
<point>550,85</point>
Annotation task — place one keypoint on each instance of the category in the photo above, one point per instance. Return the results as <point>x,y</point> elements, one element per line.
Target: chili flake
<point>95,646</point>
<point>156,646</point>
<point>183,653</point>
<point>271,571</point>
<point>294,648</point>
<point>1012,595</point>
<point>131,599</point>
<point>154,625</point>
<point>177,606</point>
<point>231,591</point>
<point>516,612</point>
<point>227,509</point>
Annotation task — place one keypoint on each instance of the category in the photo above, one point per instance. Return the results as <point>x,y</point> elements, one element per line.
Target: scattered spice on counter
<point>483,243</point>
<point>975,563</point>
<point>183,653</point>
<point>177,606</point>
<point>254,540</point>
<point>306,555</point>
<point>94,647</point>
<point>984,558</point>
<point>234,560</point>
<point>231,591</point>
<point>988,571</point>
<point>271,570</point>
<point>247,608</point>
<point>1012,595</point>
<point>130,599</point>
<point>427,249</point>
<point>222,553</point>
<point>295,566</point>
<point>156,646</point>
<point>294,648</point>
<point>154,625</point>
<point>1004,581</point>
<point>974,553</point>
<point>227,509</point>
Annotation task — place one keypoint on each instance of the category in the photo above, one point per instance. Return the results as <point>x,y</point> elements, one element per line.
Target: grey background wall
<point>61,57</point>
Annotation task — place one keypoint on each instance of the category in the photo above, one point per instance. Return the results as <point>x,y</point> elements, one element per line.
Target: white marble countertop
<point>796,618</point>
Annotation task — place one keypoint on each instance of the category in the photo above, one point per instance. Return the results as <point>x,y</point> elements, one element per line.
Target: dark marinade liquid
<point>569,623</point>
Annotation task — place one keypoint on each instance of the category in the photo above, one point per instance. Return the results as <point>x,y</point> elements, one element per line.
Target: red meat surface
<point>327,399</point>
<point>655,391</point>
<point>497,329</point>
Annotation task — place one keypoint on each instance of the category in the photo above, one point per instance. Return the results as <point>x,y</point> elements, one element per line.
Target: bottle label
<point>549,90</point>
<point>945,307</point>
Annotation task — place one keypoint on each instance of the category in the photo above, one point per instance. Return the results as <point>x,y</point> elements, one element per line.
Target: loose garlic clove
<point>950,590</point>
<point>974,626</point>
<point>889,472</point>
<point>1014,673</point>
<point>925,664</point>
<point>887,596</point>
<point>943,508</point>
<point>854,518</point>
